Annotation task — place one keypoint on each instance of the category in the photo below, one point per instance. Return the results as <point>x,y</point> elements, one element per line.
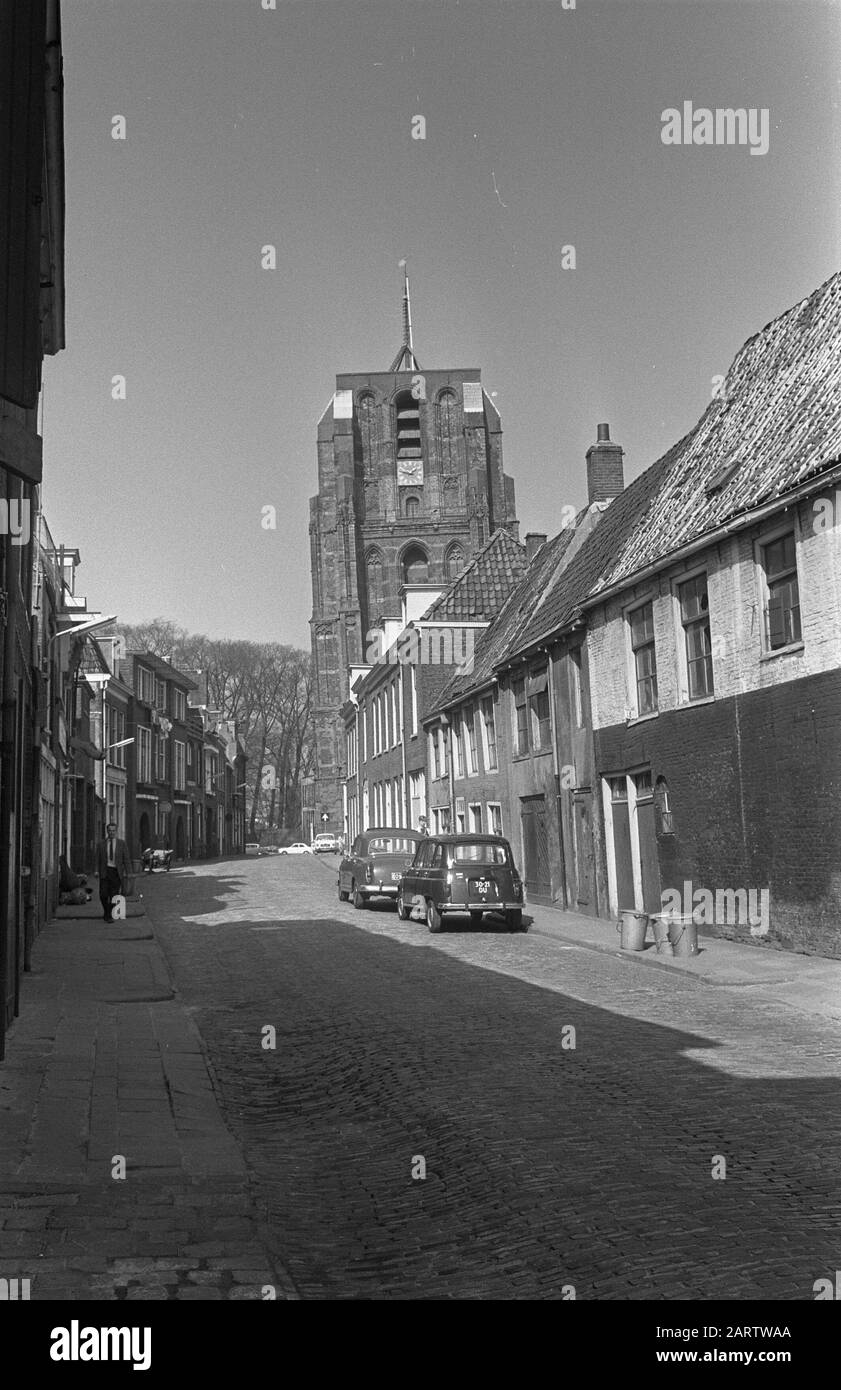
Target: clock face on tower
<point>409,471</point>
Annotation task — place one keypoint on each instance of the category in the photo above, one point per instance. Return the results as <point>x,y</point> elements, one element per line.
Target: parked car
<point>253,848</point>
<point>473,874</point>
<point>297,848</point>
<point>325,843</point>
<point>374,864</point>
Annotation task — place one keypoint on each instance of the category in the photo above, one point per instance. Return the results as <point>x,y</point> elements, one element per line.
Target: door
<point>585,859</point>
<point>535,846</point>
<point>622,857</point>
<point>647,841</point>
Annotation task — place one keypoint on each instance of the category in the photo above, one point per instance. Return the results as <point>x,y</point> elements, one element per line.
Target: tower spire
<point>405,361</point>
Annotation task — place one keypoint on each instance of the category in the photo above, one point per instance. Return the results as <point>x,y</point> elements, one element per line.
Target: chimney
<point>534,540</point>
<point>605,475</point>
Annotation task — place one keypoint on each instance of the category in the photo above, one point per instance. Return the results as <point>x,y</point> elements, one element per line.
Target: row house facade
<point>386,744</point>
<point>514,736</point>
<point>661,692</point>
<point>185,771</point>
<point>31,327</point>
<point>715,647</point>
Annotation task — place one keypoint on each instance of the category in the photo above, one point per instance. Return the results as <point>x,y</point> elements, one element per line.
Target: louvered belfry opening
<point>407,422</point>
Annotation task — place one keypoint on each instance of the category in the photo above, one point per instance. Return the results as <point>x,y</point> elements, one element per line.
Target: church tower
<point>410,485</point>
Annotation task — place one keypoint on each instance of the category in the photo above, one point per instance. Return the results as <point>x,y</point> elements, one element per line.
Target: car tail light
<point>518,888</point>
<point>369,872</point>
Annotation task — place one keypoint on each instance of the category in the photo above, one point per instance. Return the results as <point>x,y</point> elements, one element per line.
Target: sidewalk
<point>811,984</point>
<point>105,1063</point>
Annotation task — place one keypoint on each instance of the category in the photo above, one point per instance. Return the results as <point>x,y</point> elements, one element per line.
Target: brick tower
<point>410,485</point>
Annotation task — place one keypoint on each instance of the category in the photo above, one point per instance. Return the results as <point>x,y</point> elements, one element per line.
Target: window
<point>782,603</point>
<point>115,731</point>
<point>145,685</point>
<point>454,562</point>
<point>459,815</point>
<point>434,754</point>
<point>180,764</point>
<point>663,807</point>
<point>695,617</point>
<point>445,762</point>
<point>412,507</point>
<point>540,717</point>
<point>413,682</point>
<point>374,575</point>
<point>415,566</point>
<point>470,741</point>
<point>144,754</point>
<point>179,703</point>
<point>645,665</point>
<point>475,818</point>
<point>407,429</point>
<point>618,789</point>
<point>160,757</point>
<point>521,718</point>
<point>458,750</point>
<point>486,710</point>
<point>495,817</point>
<point>485,852</point>
<point>160,695</point>
<point>395,722</point>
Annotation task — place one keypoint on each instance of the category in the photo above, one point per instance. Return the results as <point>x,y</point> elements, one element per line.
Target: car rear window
<point>481,853</point>
<point>392,844</point>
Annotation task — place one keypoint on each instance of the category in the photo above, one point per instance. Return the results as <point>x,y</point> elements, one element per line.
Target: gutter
<point>727,528</point>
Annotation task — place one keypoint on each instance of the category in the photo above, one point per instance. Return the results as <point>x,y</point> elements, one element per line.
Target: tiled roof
<point>480,589</point>
<point>780,416</point>
<point>513,617</point>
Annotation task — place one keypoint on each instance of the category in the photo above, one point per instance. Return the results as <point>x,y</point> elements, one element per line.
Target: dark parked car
<point>374,863</point>
<point>473,874</point>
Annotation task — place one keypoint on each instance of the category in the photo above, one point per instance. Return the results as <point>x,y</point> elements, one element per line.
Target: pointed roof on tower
<point>405,361</point>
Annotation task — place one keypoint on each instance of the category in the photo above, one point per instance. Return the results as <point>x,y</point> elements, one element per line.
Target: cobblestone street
<point>546,1165</point>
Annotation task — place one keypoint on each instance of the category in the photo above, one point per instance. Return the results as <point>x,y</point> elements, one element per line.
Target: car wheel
<point>515,919</point>
<point>434,920</point>
<point>402,910</point>
<point>358,900</point>
<point>343,896</point>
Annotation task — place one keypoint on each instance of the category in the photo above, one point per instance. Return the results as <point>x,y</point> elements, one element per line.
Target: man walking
<point>114,869</point>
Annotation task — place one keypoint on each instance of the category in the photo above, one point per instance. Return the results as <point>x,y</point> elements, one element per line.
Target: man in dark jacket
<point>113,867</point>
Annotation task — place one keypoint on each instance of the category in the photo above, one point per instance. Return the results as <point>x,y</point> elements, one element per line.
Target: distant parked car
<point>253,849</point>
<point>297,848</point>
<point>325,843</point>
<point>156,859</point>
<point>374,863</point>
<point>473,874</point>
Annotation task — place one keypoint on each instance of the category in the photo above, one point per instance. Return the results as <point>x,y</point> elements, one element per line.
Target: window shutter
<point>22,82</point>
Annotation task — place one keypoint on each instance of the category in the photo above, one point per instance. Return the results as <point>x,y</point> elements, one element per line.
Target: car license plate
<point>395,877</point>
<point>484,888</point>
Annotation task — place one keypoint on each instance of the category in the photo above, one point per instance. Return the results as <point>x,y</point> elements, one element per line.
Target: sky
<point>292,127</point>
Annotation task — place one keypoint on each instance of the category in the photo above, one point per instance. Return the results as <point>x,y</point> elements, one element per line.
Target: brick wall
<point>755,784</point>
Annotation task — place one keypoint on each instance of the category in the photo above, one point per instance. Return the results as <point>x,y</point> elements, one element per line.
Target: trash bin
<point>683,934</point>
<point>633,926</point>
<point>660,925</point>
